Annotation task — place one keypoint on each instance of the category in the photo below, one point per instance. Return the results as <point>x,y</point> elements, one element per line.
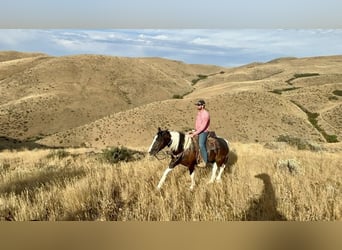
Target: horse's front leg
<point>162,179</point>
<point>172,164</point>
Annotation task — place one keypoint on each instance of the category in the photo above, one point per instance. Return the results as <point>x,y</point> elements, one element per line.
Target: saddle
<point>211,144</point>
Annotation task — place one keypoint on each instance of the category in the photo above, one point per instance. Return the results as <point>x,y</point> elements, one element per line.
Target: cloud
<point>221,47</point>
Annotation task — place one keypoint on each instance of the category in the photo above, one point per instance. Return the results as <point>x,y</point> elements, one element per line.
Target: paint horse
<point>185,151</point>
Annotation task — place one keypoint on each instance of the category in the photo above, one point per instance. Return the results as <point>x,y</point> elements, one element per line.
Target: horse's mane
<point>175,137</point>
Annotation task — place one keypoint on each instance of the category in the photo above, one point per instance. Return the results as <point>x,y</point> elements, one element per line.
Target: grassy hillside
<point>245,117</point>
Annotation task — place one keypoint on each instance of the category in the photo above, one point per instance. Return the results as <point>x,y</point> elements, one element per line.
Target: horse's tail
<point>225,141</point>
<point>227,156</point>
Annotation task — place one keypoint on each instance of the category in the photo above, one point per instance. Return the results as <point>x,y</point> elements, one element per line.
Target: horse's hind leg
<point>218,178</point>
<point>222,167</point>
<point>213,174</point>
<point>192,177</point>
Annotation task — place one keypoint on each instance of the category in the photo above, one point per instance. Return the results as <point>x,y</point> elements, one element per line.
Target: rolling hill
<point>101,101</point>
<point>42,95</point>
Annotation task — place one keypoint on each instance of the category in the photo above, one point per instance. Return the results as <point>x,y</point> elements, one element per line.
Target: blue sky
<point>225,47</point>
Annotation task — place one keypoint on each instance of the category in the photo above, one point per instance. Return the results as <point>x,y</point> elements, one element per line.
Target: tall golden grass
<point>45,185</point>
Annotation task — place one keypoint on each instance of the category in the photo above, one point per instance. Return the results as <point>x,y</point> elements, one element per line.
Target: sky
<point>171,14</point>
<point>220,32</point>
<point>223,47</point>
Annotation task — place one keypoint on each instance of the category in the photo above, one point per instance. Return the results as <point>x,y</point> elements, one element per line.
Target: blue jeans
<point>202,139</point>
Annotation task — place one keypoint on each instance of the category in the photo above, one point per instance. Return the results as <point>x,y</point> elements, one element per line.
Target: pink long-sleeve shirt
<point>202,122</point>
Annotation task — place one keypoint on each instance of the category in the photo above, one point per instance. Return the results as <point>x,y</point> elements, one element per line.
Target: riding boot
<point>202,164</point>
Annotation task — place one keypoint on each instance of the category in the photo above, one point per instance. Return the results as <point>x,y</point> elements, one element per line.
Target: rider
<point>201,129</point>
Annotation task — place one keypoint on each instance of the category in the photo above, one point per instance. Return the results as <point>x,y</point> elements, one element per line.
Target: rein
<point>169,153</point>
<point>164,153</point>
<point>178,156</point>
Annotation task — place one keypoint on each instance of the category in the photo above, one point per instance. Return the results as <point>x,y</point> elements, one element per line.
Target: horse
<point>185,151</point>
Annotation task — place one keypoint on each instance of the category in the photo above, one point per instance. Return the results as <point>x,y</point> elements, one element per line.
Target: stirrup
<point>202,164</point>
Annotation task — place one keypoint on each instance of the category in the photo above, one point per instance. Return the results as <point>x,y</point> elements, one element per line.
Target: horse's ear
<point>159,129</point>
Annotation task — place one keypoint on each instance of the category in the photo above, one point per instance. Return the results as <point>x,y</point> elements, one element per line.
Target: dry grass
<point>75,185</point>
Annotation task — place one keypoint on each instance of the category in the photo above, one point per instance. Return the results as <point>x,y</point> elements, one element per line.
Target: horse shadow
<point>8,143</point>
<point>232,159</point>
<point>31,183</point>
<point>264,208</point>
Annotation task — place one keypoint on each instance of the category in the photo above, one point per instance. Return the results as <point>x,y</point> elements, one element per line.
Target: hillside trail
<point>325,109</point>
<point>328,106</point>
<point>25,98</point>
<point>154,68</point>
<point>223,88</point>
<point>27,62</point>
<point>17,61</point>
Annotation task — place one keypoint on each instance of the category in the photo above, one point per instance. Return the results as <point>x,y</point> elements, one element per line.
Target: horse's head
<point>160,141</point>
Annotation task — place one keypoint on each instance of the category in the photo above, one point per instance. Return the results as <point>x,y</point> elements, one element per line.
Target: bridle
<point>164,153</point>
<point>177,157</point>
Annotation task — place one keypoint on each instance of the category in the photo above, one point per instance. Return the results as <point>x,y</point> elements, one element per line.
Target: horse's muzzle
<point>152,153</point>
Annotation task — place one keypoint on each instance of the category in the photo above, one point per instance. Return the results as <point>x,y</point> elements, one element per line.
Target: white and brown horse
<point>185,151</point>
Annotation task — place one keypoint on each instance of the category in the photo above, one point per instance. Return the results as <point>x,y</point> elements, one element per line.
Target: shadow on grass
<point>41,179</point>
<point>96,209</point>
<point>265,207</point>
<point>7,143</point>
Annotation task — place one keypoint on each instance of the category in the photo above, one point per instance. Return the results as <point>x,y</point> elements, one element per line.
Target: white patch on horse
<point>175,140</point>
<point>192,176</point>
<point>187,142</point>
<point>154,140</point>
<point>175,137</point>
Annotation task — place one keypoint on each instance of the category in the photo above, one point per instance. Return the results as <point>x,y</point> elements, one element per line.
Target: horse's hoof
<point>210,182</point>
<point>218,181</point>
